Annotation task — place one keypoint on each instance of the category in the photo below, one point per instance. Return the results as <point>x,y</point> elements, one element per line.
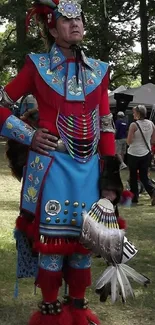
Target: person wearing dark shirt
<point>121,135</point>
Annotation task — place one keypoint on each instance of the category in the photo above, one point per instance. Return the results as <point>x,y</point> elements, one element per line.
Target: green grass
<point>141,231</point>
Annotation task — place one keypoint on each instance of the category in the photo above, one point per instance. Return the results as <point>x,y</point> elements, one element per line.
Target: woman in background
<point>139,151</point>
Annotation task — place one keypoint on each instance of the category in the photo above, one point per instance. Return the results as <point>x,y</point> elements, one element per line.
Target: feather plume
<point>117,276</point>
<point>121,284</point>
<point>104,238</point>
<point>127,285</point>
<point>105,277</point>
<point>116,245</point>
<point>138,277</point>
<point>114,288</point>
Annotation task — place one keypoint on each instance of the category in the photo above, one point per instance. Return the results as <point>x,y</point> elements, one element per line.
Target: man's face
<point>68,30</point>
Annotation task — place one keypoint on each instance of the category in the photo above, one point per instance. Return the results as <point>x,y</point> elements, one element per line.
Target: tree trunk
<point>144,42</point>
<point>20,31</point>
<point>103,34</point>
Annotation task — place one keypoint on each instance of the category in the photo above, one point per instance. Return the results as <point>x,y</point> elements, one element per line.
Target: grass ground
<point>141,231</point>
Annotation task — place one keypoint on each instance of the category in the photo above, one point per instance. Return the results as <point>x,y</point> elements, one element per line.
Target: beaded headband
<point>53,9</point>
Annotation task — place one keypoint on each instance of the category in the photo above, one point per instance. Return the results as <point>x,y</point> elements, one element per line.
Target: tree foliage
<point>110,36</point>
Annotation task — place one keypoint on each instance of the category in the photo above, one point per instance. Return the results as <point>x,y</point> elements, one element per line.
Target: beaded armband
<point>16,129</point>
<point>107,124</point>
<point>5,100</point>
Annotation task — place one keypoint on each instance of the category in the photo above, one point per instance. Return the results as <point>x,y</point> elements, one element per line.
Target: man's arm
<point>12,127</point>
<point>22,84</point>
<point>107,131</point>
<point>110,183</point>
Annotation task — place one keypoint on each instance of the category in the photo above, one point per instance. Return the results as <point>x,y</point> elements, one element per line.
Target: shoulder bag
<point>150,152</point>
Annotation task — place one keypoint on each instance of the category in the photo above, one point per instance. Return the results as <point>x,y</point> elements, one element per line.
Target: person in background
<point>138,153</point>
<point>120,136</point>
<point>28,109</point>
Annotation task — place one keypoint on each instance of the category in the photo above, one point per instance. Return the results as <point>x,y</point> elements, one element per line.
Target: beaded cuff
<point>107,124</point>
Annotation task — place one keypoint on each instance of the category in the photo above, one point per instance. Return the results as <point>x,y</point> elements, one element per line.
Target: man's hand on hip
<point>44,141</point>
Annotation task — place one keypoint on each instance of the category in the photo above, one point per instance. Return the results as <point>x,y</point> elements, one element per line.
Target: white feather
<point>114,287</point>
<point>127,285</point>
<point>116,244</point>
<point>120,281</point>
<point>105,277</point>
<point>134,274</point>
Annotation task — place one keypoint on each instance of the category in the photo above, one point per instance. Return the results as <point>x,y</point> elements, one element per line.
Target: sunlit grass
<point>141,231</point>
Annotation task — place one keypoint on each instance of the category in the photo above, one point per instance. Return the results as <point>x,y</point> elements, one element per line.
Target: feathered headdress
<point>51,10</point>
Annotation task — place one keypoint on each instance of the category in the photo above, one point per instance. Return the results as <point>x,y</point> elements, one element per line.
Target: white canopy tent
<point>117,90</point>
<point>144,95</point>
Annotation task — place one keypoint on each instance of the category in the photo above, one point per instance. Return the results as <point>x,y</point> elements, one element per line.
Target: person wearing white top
<point>139,152</point>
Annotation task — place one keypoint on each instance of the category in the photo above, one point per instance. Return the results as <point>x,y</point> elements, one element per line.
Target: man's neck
<point>66,50</point>
<point>68,53</point>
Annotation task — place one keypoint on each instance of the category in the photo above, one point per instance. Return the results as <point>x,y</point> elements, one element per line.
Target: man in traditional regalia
<point>63,175</point>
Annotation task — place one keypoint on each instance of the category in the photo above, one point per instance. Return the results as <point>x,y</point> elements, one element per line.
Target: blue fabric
<point>121,129</point>
<point>27,263</point>
<point>79,261</point>
<point>57,14</point>
<point>68,180</point>
<point>55,262</point>
<point>37,166</point>
<point>51,262</point>
<point>59,74</point>
<point>65,180</point>
<point>14,128</point>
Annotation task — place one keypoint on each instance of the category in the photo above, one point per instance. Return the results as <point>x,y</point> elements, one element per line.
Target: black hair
<point>46,36</point>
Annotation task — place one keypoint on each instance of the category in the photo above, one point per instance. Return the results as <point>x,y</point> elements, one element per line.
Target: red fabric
<point>43,10</point>
<point>4,114</point>
<point>153,148</point>
<point>64,318</point>
<point>78,280</point>
<point>50,248</point>
<point>127,194</point>
<point>49,282</point>
<point>107,144</point>
<point>83,316</point>
<point>126,198</point>
<point>62,247</point>
<point>122,223</point>
<point>107,139</point>
<point>27,227</point>
<point>23,83</point>
<point>80,249</point>
<point>49,102</point>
